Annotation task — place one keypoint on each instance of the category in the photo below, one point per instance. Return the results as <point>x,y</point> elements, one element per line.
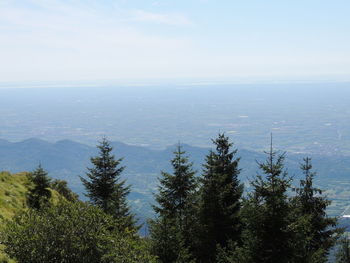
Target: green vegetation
<point>343,253</point>
<point>267,232</point>
<point>71,232</point>
<point>104,187</point>
<point>66,159</point>
<point>61,187</point>
<point>171,232</point>
<point>316,232</point>
<point>13,191</point>
<point>39,194</point>
<point>220,200</point>
<point>199,219</point>
<point>270,225</point>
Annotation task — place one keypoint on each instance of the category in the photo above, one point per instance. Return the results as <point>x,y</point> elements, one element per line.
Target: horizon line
<point>158,82</point>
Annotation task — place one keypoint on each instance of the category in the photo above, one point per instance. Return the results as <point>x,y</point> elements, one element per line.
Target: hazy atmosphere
<point>202,40</point>
<point>174,131</point>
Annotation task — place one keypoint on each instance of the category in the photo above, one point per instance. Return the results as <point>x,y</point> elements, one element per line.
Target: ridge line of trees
<point>201,217</point>
<point>272,223</point>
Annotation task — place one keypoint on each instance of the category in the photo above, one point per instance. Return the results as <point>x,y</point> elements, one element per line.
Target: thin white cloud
<point>167,19</point>
<point>93,39</point>
<point>60,41</point>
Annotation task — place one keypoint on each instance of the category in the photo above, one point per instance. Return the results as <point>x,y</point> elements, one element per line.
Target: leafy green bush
<point>71,232</point>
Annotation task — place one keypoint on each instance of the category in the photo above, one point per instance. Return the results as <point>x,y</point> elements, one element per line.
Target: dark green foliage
<point>71,232</point>
<point>232,253</point>
<point>104,186</point>
<point>176,191</point>
<point>278,228</point>
<point>164,238</point>
<point>220,206</point>
<point>315,232</point>
<point>267,237</point>
<point>39,194</point>
<point>204,221</point>
<point>343,253</point>
<point>172,232</point>
<point>66,159</point>
<point>62,188</point>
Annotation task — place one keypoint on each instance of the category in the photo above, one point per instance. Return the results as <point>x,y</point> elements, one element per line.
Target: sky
<point>142,40</point>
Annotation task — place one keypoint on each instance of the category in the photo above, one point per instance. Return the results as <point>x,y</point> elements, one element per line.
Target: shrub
<point>71,232</point>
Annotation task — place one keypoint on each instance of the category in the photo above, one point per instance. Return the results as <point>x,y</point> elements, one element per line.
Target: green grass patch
<point>13,192</point>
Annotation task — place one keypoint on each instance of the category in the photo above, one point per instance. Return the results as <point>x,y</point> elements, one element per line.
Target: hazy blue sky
<point>178,39</point>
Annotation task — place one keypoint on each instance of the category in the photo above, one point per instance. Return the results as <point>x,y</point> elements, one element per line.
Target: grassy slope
<point>13,190</point>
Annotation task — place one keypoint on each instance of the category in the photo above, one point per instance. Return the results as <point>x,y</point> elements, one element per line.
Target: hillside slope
<point>13,191</point>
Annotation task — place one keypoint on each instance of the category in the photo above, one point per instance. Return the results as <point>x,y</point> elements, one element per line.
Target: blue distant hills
<point>67,160</point>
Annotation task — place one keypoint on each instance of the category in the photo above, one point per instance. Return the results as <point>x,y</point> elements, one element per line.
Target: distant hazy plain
<point>306,118</point>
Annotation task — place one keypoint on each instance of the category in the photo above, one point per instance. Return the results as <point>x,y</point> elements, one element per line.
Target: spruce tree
<point>172,230</point>
<point>267,237</point>
<point>343,253</point>
<point>104,186</point>
<point>316,233</point>
<point>221,193</point>
<point>40,194</point>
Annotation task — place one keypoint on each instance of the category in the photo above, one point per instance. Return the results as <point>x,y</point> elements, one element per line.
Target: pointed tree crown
<point>104,186</point>
<point>175,189</point>
<point>40,193</point>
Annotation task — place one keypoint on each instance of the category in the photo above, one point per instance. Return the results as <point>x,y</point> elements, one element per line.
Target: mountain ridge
<point>68,159</point>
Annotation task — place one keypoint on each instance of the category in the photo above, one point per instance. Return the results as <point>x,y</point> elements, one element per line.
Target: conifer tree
<point>316,232</point>
<point>164,238</point>
<point>267,237</point>
<point>104,186</point>
<point>40,193</point>
<point>171,232</point>
<point>343,253</point>
<point>221,193</point>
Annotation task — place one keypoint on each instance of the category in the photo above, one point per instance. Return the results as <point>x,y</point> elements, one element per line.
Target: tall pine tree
<point>316,233</point>
<point>267,237</point>
<point>343,253</point>
<point>221,193</point>
<point>172,230</point>
<point>40,194</point>
<point>104,186</point>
